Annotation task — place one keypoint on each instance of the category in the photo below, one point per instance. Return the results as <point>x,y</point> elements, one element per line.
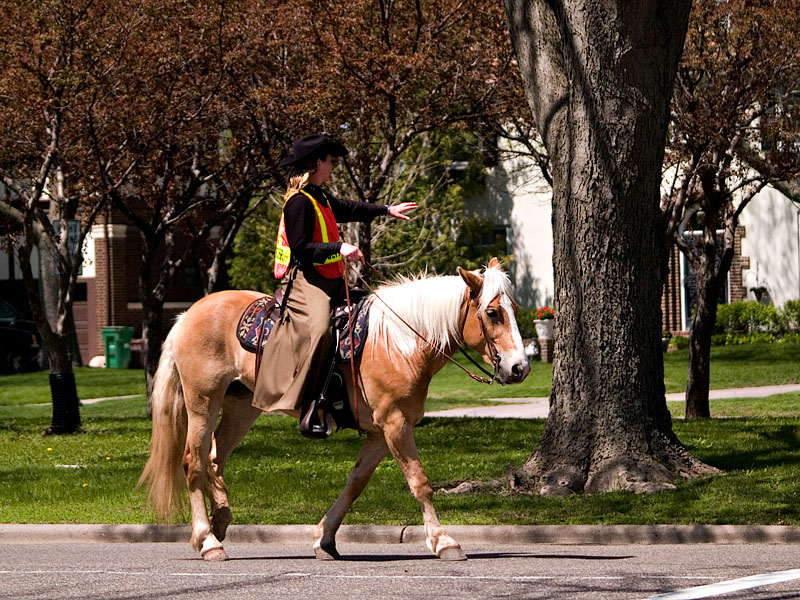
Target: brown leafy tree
<point>735,125</point>
<point>190,176</point>
<point>379,76</point>
<point>598,77</point>
<point>53,55</point>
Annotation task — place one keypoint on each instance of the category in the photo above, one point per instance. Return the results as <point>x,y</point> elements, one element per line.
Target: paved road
<point>397,571</point>
<point>537,408</point>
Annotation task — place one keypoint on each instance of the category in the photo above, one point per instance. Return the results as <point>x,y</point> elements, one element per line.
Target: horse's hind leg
<point>202,412</point>
<point>238,417</point>
<point>370,455</point>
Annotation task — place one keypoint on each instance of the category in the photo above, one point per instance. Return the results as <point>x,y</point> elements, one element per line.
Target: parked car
<point>20,343</point>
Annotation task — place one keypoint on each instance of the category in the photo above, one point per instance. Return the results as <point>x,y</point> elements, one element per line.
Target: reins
<point>492,348</point>
<point>352,350</point>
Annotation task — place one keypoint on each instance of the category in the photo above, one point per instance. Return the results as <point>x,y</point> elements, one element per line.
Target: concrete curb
<point>391,534</point>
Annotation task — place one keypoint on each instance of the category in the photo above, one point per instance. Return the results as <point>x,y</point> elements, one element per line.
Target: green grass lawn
<point>277,476</point>
<point>33,388</point>
<point>732,366</point>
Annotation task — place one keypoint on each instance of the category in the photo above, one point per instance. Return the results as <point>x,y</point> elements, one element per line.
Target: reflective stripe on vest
<point>333,266</point>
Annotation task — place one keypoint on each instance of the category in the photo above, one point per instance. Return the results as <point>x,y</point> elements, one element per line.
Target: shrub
<point>525,319</point>
<point>747,316</point>
<point>680,342</point>
<point>790,314</point>
<point>737,339</point>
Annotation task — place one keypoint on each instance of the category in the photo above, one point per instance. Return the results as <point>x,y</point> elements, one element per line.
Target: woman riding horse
<point>309,258</point>
<point>202,394</point>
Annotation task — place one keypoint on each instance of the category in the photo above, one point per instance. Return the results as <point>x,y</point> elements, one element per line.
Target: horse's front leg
<point>400,439</point>
<point>372,452</point>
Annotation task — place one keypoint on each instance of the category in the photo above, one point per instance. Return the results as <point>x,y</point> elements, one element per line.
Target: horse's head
<point>490,327</point>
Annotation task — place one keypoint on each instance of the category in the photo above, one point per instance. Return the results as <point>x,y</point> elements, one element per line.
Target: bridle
<point>495,355</point>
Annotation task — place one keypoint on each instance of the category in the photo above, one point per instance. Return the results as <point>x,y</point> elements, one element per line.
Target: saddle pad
<point>263,313</point>
<point>360,321</point>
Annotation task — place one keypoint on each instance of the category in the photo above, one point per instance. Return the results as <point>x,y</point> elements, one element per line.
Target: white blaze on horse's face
<point>501,326</point>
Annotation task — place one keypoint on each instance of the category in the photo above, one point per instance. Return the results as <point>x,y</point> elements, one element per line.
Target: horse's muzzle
<point>519,371</point>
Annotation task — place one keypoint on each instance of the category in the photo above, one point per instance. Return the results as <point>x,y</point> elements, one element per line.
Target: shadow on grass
<point>748,443</point>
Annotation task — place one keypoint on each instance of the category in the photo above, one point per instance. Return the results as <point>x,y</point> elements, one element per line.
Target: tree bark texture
<point>598,77</point>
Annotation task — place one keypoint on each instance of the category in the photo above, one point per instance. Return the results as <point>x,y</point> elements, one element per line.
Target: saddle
<point>330,401</point>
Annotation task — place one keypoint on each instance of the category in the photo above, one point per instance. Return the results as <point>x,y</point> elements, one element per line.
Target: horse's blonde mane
<point>430,304</point>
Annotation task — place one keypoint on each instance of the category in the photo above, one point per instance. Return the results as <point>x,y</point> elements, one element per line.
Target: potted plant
<point>544,322</point>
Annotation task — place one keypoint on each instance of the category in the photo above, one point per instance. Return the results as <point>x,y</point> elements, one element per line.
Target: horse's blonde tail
<point>166,482</point>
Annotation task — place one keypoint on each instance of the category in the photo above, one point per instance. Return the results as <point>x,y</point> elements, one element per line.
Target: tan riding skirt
<point>299,348</point>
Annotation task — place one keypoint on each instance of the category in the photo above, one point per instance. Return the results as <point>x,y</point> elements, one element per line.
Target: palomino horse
<point>202,357</point>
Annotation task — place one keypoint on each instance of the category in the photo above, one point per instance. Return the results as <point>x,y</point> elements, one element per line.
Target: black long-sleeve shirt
<point>300,219</point>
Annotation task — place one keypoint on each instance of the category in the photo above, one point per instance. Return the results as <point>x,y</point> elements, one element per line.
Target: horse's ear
<point>473,280</point>
<point>494,263</point>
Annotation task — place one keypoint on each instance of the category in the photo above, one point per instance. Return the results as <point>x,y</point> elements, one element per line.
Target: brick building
<point>107,292</point>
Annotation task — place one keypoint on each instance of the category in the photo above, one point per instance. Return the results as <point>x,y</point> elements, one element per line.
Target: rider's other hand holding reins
<point>351,253</point>
<point>398,209</point>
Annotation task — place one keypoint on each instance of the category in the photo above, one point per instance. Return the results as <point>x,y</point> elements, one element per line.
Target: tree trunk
<point>699,377</point>
<point>599,78</point>
<point>66,416</point>
<point>710,275</point>
<point>152,339</point>
<point>63,391</point>
<point>151,288</point>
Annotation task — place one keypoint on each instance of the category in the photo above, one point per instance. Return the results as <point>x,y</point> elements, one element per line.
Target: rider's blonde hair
<point>298,182</point>
<point>300,179</point>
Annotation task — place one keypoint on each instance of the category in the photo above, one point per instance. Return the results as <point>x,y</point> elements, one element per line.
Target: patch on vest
<point>264,312</point>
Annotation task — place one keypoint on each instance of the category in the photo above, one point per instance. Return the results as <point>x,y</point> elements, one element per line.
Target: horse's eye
<point>491,313</point>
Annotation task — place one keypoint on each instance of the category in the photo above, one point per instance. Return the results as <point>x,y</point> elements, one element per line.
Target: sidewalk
<point>537,408</point>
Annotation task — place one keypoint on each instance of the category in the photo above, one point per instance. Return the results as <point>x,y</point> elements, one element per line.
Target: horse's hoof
<point>220,521</point>
<point>215,555</point>
<point>327,552</point>
<point>452,553</point>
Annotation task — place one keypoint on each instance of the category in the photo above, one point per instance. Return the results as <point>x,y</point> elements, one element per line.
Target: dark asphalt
<point>122,571</point>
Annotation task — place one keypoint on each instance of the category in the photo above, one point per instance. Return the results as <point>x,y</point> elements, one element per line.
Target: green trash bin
<point>117,342</point>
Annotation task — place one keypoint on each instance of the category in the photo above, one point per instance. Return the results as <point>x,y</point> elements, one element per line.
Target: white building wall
<point>772,242</point>
<point>518,196</point>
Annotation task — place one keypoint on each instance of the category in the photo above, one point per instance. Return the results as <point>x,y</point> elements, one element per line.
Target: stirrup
<point>311,426</point>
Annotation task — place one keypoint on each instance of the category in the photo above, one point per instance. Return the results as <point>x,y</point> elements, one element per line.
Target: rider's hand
<point>398,209</point>
<point>351,253</point>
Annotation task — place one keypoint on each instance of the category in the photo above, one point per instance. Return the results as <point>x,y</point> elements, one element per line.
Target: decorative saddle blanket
<point>264,312</point>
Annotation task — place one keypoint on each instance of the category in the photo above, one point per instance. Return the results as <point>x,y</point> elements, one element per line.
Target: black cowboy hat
<point>311,147</point>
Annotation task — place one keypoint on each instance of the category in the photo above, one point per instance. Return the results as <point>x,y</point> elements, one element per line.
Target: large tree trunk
<point>598,77</point>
